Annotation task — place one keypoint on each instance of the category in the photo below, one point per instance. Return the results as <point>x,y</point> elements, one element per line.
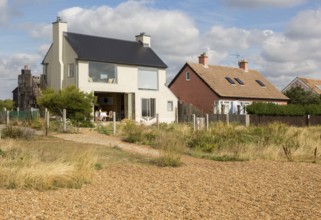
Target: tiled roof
<point>314,84</point>
<point>215,77</point>
<point>102,49</point>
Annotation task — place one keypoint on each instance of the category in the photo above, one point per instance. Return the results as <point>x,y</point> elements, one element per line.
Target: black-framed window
<point>230,80</point>
<point>239,81</point>
<point>260,83</point>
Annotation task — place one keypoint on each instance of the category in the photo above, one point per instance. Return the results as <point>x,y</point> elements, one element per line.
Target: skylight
<point>230,80</point>
<point>260,83</point>
<point>319,86</point>
<point>239,81</point>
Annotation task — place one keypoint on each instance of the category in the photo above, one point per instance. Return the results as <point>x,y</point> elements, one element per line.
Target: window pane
<point>149,108</point>
<point>188,77</point>
<point>102,72</point>
<point>170,106</point>
<point>229,80</point>
<point>147,79</point>
<point>145,104</point>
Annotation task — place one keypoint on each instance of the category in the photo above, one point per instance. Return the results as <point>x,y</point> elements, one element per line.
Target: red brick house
<point>221,89</point>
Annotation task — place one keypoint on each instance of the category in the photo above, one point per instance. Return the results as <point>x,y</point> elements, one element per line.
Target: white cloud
<point>305,25</point>
<point>263,3</point>
<point>174,35</point>
<point>3,11</point>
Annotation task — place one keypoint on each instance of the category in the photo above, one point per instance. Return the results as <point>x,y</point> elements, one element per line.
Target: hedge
<point>291,109</point>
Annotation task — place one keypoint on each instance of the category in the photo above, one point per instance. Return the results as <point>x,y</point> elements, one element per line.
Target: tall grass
<point>231,142</point>
<point>45,165</point>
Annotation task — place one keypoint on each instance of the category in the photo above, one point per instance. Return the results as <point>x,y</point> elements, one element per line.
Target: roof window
<point>239,81</point>
<point>230,80</point>
<point>260,83</point>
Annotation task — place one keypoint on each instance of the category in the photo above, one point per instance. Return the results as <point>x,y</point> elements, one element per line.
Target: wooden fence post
<point>176,114</point>
<point>8,118</point>
<point>194,122</point>
<point>207,122</point>
<point>64,120</point>
<point>247,120</point>
<point>47,120</point>
<point>157,119</point>
<point>114,122</point>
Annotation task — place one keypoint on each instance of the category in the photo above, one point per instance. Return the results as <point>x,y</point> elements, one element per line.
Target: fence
<point>19,115</point>
<point>304,120</point>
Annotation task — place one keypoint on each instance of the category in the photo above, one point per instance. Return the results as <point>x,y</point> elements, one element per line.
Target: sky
<point>280,39</point>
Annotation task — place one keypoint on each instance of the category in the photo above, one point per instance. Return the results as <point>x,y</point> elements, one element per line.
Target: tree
<point>77,103</point>
<point>7,103</point>
<point>300,96</point>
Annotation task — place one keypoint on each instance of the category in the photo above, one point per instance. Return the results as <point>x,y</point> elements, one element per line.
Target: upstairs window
<point>260,83</point>
<point>239,81</point>
<point>147,79</point>
<point>230,80</point>
<point>102,72</point>
<point>188,76</point>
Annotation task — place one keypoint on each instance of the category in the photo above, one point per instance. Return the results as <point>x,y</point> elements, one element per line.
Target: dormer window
<point>260,83</point>
<point>230,80</point>
<point>188,77</point>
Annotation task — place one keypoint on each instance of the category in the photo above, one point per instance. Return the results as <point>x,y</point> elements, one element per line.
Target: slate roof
<point>215,78</point>
<point>314,84</point>
<point>94,48</point>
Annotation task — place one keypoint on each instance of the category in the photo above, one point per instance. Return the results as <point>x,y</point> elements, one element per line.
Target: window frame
<point>170,106</point>
<point>145,70</point>
<point>260,83</point>
<point>102,76</point>
<point>71,70</point>
<point>150,106</point>
<point>230,80</point>
<point>188,76</point>
<point>239,81</point>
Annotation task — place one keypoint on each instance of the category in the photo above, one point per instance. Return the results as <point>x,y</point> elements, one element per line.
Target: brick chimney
<point>144,39</point>
<point>243,64</point>
<point>25,70</point>
<point>203,59</point>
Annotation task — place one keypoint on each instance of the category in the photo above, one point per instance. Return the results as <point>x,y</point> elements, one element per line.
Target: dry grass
<point>45,164</point>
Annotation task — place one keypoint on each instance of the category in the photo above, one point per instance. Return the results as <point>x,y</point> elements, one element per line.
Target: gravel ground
<point>200,189</point>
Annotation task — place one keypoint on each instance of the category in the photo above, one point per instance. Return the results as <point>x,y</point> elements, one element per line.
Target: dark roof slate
<point>94,48</point>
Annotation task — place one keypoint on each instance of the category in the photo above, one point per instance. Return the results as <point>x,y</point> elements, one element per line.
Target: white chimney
<point>144,39</point>
<point>59,27</point>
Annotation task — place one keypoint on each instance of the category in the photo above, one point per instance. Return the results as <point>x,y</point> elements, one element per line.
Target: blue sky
<point>281,39</point>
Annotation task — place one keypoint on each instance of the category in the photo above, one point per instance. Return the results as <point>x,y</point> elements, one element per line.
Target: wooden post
<point>64,119</point>
<point>47,121</point>
<point>247,120</point>
<point>114,122</point>
<point>207,122</point>
<point>176,115</point>
<point>8,119</point>
<point>194,122</point>
<point>157,119</point>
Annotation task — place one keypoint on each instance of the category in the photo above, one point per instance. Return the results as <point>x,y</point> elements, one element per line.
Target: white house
<point>126,76</point>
